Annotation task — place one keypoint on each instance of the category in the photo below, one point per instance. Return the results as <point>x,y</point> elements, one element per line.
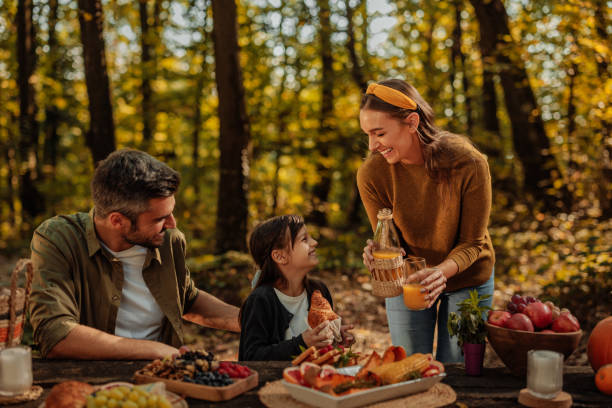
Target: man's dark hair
<point>127,179</point>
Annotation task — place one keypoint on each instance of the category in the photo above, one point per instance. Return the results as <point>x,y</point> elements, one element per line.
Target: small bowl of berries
<point>530,324</point>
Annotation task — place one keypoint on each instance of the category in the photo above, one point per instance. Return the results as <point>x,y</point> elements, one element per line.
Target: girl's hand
<point>433,281</point>
<point>314,337</point>
<point>347,337</point>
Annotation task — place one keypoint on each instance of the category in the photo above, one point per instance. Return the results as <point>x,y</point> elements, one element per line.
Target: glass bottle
<point>386,251</point>
<point>386,240</point>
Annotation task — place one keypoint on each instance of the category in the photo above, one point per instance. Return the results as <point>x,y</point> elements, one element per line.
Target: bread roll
<point>68,394</point>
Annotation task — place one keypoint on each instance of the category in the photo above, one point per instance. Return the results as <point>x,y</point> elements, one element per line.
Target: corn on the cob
<point>392,373</point>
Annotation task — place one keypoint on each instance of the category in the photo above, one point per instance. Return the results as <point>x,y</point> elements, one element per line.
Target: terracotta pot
<point>474,357</point>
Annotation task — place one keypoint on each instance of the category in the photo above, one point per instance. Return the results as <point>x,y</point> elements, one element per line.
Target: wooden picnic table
<point>495,388</point>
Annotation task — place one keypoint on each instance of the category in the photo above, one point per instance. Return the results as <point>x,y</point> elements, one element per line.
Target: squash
<point>599,348</point>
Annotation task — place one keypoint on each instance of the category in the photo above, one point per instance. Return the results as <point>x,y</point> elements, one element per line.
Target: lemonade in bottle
<point>386,247</point>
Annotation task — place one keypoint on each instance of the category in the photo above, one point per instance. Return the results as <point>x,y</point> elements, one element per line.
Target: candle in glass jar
<point>544,373</point>
<point>15,370</point>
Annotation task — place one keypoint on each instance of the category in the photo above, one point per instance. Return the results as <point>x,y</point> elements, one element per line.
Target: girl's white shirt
<point>298,306</point>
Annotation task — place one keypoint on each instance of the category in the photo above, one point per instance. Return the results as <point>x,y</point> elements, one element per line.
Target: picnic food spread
<point>393,367</point>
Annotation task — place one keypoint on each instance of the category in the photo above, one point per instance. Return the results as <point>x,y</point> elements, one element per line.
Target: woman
<point>439,189</point>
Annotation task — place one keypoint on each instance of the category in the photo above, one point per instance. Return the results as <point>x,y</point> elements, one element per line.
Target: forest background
<point>256,103</point>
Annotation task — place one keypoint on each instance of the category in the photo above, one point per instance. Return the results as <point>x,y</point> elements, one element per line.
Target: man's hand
<point>87,343</point>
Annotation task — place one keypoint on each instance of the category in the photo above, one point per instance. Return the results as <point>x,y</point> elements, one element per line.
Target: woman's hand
<point>433,281</point>
<point>347,337</point>
<point>367,254</point>
<point>315,337</point>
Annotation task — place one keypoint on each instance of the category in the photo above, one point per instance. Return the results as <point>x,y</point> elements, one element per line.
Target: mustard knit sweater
<point>436,224</point>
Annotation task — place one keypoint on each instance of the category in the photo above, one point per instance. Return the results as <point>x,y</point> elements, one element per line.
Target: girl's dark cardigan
<point>264,321</point>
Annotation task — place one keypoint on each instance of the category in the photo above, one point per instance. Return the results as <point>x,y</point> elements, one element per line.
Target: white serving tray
<point>320,399</point>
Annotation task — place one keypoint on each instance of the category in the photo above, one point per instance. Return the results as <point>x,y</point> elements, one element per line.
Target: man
<point>113,283</point>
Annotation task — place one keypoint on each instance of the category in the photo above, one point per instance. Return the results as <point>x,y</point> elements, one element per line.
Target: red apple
<point>539,314</point>
<point>565,323</point>
<point>498,317</point>
<point>519,321</point>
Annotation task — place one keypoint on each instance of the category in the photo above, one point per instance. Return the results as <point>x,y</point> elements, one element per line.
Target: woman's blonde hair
<point>441,149</point>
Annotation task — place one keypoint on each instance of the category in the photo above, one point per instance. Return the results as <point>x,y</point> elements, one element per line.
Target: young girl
<point>273,318</point>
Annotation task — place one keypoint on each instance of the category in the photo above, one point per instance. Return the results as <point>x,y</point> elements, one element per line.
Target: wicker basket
<point>386,276</point>
<point>13,305</point>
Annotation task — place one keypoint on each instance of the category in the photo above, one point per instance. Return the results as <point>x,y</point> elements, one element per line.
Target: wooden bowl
<point>512,345</point>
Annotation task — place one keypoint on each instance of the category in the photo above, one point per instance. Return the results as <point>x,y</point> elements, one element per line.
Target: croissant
<point>320,310</point>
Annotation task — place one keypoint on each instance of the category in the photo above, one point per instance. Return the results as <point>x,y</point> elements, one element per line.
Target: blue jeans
<point>414,330</point>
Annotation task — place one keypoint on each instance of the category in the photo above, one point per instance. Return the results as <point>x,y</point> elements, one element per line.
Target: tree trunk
<point>431,94</point>
<point>530,140</point>
<point>101,135</point>
<point>9,156</point>
<point>605,180</point>
<point>489,99</point>
<point>571,117</point>
<point>148,113</point>
<point>232,212</point>
<point>489,104</point>
<point>358,75</point>
<point>321,190</point>
<point>32,201</point>
<point>600,25</point>
<point>52,113</point>
<point>356,68</point>
<point>197,126</point>
<point>465,79</point>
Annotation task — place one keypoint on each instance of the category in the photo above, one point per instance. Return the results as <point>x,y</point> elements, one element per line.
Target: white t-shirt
<point>139,316</point>
<point>298,306</point>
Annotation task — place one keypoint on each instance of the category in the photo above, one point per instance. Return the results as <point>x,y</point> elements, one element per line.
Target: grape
<point>516,299</point>
<point>521,307</point>
<point>530,299</point>
<point>101,400</point>
<point>511,307</point>
<point>129,404</point>
<point>133,396</point>
<point>152,401</point>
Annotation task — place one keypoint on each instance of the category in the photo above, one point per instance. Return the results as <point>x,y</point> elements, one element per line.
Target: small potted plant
<point>469,327</point>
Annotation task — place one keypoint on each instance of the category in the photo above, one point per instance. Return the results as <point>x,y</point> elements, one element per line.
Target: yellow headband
<point>391,96</point>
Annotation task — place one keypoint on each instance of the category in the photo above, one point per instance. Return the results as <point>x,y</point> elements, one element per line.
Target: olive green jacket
<point>77,281</point>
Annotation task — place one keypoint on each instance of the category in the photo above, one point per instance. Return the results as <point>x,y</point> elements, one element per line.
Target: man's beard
<point>147,242</point>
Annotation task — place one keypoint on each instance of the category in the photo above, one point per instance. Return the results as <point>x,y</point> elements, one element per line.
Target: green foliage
<point>228,276</point>
<point>469,325</point>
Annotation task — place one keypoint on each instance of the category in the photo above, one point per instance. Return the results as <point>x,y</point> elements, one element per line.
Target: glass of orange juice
<point>414,299</point>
